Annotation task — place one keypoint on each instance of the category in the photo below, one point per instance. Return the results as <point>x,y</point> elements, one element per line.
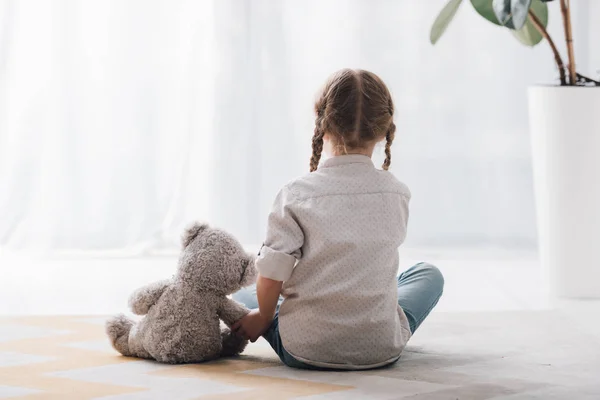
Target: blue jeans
<point>419,289</point>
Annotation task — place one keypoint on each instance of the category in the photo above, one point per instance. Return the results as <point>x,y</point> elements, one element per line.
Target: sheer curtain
<point>122,121</point>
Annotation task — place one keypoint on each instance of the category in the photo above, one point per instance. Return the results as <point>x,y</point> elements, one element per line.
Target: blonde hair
<point>355,109</point>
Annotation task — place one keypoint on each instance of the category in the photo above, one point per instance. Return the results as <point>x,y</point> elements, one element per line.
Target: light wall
<point>122,121</point>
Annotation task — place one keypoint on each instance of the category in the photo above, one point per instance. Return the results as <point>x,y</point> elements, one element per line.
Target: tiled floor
<point>494,335</point>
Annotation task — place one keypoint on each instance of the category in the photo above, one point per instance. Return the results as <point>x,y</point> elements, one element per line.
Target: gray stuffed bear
<point>182,314</point>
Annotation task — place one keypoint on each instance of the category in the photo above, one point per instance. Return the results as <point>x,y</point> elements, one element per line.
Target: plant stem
<point>565,9</point>
<point>559,62</point>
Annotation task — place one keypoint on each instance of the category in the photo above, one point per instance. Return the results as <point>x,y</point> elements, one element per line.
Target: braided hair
<point>354,110</point>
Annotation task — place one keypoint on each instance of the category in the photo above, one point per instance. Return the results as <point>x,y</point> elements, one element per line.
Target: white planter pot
<point>565,135</point>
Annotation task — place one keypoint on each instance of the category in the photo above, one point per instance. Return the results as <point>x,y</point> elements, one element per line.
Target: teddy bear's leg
<point>117,329</point>
<point>122,334</point>
<point>232,343</point>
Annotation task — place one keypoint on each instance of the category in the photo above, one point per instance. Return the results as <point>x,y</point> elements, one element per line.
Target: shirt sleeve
<point>284,240</point>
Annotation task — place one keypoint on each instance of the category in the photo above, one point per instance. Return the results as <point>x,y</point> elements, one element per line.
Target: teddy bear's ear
<point>249,275</point>
<point>191,232</point>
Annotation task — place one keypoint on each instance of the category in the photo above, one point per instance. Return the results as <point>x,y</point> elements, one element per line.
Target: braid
<point>389,138</point>
<point>317,147</point>
<point>317,140</point>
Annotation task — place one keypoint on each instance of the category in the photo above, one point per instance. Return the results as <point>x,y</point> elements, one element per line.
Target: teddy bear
<point>181,322</point>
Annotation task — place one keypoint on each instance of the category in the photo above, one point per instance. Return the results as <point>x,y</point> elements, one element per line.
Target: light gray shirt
<point>333,238</point>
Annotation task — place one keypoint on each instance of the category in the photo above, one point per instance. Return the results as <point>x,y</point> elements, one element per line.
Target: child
<point>332,241</point>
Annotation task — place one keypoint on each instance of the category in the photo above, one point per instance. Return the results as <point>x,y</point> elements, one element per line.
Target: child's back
<point>348,220</point>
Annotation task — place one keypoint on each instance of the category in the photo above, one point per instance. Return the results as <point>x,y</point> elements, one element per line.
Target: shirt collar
<point>347,159</point>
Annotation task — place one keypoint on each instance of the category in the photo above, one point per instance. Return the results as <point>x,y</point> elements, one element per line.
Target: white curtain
<point>120,121</point>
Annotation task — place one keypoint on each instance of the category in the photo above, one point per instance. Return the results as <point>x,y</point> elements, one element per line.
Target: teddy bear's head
<point>214,260</point>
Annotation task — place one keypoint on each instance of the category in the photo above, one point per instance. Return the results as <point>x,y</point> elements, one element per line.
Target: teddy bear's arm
<point>230,311</point>
<point>142,299</point>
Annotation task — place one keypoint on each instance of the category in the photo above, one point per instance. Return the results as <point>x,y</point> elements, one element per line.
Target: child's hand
<point>252,326</point>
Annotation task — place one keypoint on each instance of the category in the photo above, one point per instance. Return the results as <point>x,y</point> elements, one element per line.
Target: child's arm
<point>267,291</point>
<point>277,259</point>
<point>258,321</point>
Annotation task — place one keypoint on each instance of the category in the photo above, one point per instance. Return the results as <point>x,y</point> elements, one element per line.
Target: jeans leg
<point>272,336</point>
<point>247,296</point>
<point>419,289</point>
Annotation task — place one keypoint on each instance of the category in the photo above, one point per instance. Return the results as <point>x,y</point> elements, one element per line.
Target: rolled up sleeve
<point>282,247</point>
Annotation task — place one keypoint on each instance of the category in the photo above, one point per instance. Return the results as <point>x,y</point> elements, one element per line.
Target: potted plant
<point>565,135</point>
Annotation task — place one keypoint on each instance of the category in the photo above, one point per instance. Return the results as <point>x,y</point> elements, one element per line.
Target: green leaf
<point>485,9</point>
<point>528,34</point>
<point>502,12</point>
<point>511,13</point>
<point>519,10</point>
<point>443,19</point>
